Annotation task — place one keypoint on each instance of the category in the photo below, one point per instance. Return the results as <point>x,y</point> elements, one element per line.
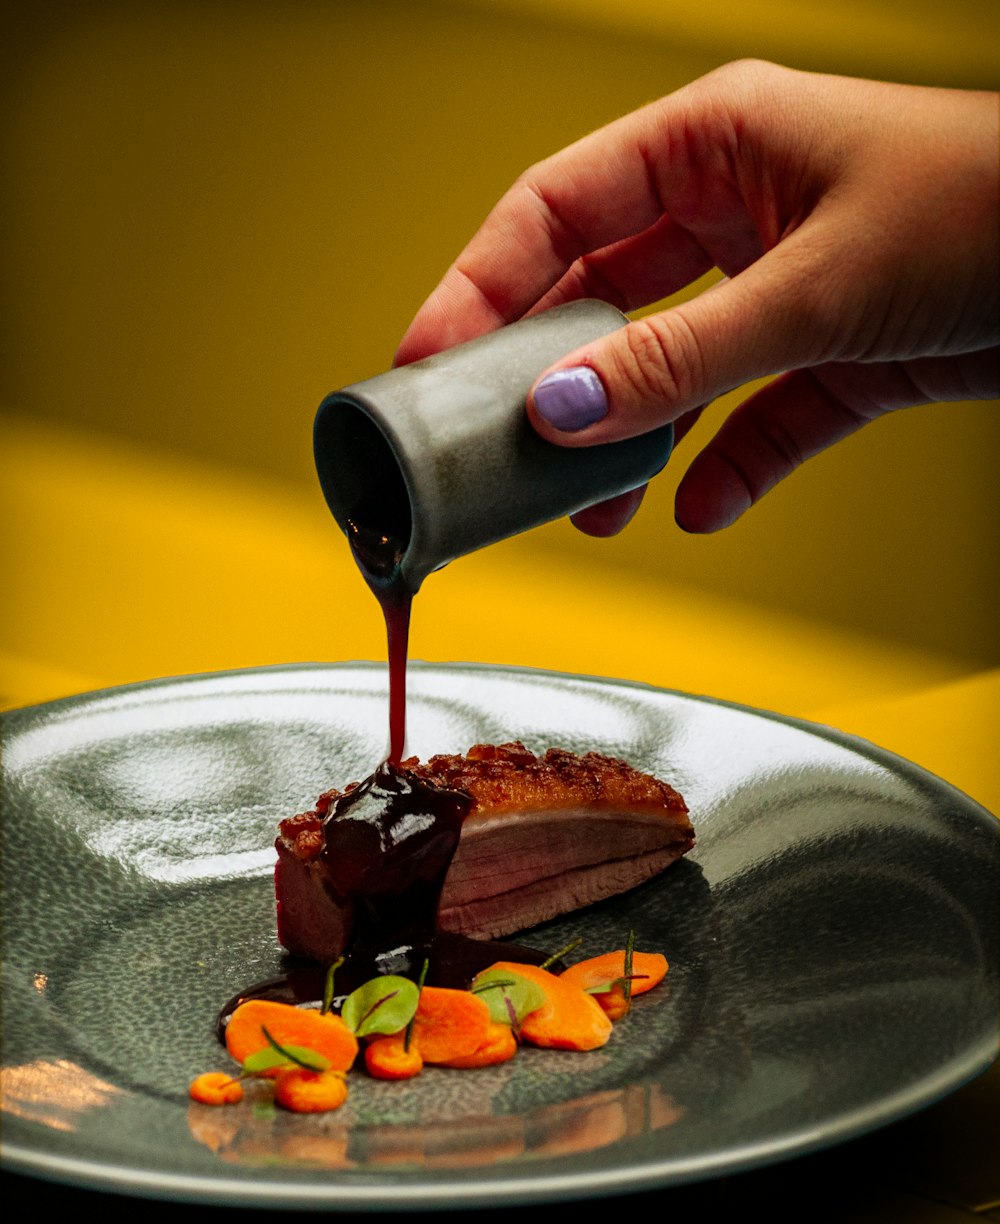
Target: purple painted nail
<point>571,399</point>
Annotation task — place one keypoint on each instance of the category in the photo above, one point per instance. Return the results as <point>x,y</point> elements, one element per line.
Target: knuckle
<point>782,450</point>
<point>662,361</point>
<point>747,76</point>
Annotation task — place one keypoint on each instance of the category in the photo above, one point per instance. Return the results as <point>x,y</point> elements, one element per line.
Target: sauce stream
<point>379,555</point>
<point>389,841</point>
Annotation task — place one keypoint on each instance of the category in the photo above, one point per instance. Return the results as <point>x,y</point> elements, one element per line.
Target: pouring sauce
<point>389,841</point>
<point>379,556</point>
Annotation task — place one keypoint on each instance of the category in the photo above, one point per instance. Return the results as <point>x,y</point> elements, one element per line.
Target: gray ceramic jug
<point>440,454</point>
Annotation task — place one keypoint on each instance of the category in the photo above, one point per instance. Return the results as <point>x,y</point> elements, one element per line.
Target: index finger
<point>598,191</point>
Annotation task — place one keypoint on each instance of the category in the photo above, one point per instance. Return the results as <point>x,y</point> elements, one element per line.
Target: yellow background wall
<point>215,211</point>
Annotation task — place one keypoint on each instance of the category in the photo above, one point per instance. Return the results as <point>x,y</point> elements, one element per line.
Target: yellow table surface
<point>121,566</point>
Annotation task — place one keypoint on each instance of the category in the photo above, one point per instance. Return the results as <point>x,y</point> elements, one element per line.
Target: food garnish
<point>216,1088</point>
<point>402,1025</point>
<point>569,1018</point>
<point>304,1091</point>
<point>382,1006</point>
<point>256,1025</point>
<point>510,997</point>
<point>613,981</point>
<point>393,1058</point>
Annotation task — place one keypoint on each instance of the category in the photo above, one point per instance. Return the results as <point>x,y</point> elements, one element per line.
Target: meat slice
<point>551,834</point>
<point>314,920</point>
<point>544,835</point>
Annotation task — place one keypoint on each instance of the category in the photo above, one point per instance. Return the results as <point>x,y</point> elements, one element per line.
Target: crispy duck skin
<point>545,835</point>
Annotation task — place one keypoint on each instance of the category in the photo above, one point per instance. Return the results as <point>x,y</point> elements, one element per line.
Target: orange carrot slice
<point>216,1088</point>
<point>327,1034</point>
<point>570,1019</point>
<point>499,1046</point>
<point>305,1091</point>
<point>648,970</point>
<point>388,1058</point>
<point>449,1024</point>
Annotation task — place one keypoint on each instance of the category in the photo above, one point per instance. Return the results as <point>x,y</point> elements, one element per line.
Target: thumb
<point>659,367</point>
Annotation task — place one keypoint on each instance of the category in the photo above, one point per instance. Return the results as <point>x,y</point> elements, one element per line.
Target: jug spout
<point>439,459</point>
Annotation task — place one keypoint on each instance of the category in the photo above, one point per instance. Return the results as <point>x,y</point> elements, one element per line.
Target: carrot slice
<point>570,1019</point>
<point>327,1034</point>
<point>216,1088</point>
<point>613,1002</point>
<point>449,1024</point>
<point>388,1058</point>
<point>499,1046</point>
<point>305,1091</point>
<point>648,970</point>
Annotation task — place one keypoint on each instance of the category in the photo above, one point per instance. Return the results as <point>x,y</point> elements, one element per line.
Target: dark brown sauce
<point>379,555</point>
<point>387,847</point>
<point>453,961</point>
<point>388,843</point>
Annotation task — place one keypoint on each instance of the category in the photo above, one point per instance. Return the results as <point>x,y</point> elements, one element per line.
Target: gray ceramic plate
<point>832,945</point>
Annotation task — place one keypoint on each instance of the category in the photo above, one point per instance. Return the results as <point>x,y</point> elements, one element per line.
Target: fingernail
<point>571,399</point>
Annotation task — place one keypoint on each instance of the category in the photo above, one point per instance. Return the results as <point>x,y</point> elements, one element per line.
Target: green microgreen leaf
<point>289,1055</point>
<point>509,996</point>
<point>420,986</point>
<point>383,1005</point>
<point>275,1054</point>
<point>263,1060</point>
<point>328,986</point>
<point>573,944</point>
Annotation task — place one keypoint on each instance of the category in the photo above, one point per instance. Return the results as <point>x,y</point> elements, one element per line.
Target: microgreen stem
<point>328,986</point>
<point>299,1062</point>
<point>561,953</point>
<point>498,984</point>
<point>420,986</point>
<point>604,987</point>
<point>627,984</point>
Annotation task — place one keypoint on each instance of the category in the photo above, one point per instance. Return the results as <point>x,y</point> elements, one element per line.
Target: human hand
<point>856,223</point>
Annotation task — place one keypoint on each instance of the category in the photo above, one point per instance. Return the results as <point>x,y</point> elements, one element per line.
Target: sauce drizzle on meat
<point>360,877</point>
